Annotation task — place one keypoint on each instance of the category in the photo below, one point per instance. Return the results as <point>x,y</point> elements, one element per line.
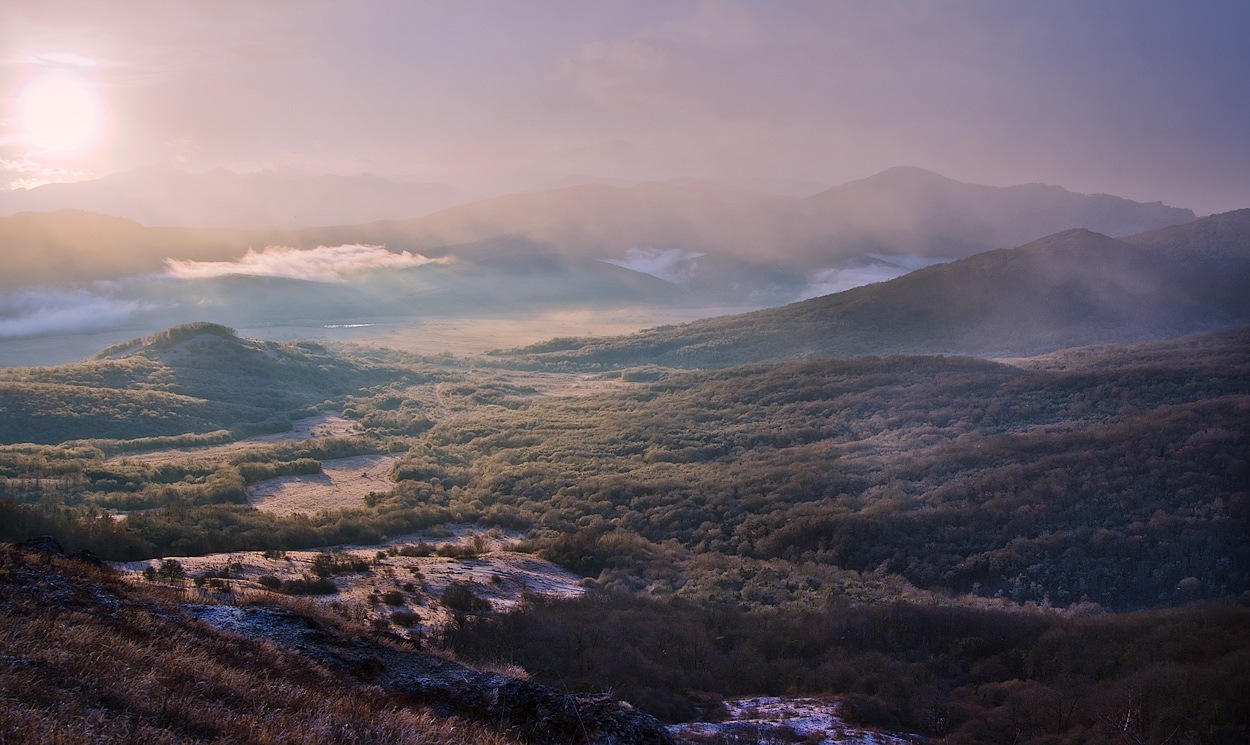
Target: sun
<point>60,112</point>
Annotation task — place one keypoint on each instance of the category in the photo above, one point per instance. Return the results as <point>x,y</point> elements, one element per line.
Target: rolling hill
<point>196,378</point>
<point>1072,288</point>
<point>797,528</point>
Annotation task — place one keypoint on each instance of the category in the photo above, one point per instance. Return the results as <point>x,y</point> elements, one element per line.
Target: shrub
<point>405,618</point>
<point>308,586</point>
<point>460,598</point>
<point>328,564</point>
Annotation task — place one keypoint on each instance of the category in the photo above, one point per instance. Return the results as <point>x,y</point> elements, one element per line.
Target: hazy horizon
<point>1140,100</point>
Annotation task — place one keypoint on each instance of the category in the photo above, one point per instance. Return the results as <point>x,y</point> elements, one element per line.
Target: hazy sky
<point>1148,100</point>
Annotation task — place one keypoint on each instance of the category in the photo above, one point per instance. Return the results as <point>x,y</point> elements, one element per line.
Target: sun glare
<point>60,112</point>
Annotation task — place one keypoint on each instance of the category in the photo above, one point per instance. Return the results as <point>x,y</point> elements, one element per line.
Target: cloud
<point>63,59</point>
<point>669,264</point>
<point>320,264</point>
<point>36,312</point>
<point>24,173</point>
<point>862,272</point>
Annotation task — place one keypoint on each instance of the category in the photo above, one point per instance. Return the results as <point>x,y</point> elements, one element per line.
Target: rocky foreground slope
<point>87,657</point>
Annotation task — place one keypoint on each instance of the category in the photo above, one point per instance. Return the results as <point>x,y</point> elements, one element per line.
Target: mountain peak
<point>913,173</point>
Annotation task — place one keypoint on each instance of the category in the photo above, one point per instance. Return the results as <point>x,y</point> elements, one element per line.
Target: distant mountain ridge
<point>934,215</point>
<point>689,245</point>
<point>898,212</point>
<point>161,195</point>
<point>1072,288</point>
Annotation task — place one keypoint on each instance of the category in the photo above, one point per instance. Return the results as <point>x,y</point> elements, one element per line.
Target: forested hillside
<point>190,379</point>
<point>1112,475</point>
<point>956,675</point>
<point>1122,482</point>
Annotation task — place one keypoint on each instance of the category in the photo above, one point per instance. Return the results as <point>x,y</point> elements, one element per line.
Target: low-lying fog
<point>406,300</point>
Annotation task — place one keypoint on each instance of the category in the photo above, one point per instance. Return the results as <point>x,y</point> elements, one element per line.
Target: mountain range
<point>1071,288</point>
<point>592,245</point>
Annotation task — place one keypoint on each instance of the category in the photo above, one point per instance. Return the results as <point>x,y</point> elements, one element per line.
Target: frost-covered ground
<point>404,591</point>
<point>780,720</point>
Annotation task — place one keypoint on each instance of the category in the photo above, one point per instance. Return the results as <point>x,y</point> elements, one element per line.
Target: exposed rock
<point>534,712</point>
<point>87,557</point>
<point>44,544</point>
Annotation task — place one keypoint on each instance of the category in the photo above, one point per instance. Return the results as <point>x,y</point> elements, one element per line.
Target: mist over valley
<point>662,246</point>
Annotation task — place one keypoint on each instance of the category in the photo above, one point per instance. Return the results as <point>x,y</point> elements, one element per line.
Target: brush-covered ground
<point>1048,549</point>
<point>88,658</point>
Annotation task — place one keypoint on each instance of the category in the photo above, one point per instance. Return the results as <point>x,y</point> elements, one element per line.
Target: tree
<point>171,571</point>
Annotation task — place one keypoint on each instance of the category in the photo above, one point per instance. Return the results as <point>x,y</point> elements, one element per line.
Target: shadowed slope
<point>1068,289</point>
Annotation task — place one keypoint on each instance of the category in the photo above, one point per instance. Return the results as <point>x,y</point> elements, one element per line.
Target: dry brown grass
<point>343,484</point>
<point>86,658</point>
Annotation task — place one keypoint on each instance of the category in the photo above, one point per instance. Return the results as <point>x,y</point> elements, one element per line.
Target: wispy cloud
<point>36,312</point>
<point>23,172</point>
<point>63,59</point>
<point>320,264</point>
<point>669,264</point>
<point>864,272</point>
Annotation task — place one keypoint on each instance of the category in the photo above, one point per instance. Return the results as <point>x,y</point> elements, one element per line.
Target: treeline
<point>958,675</point>
<point>193,530</point>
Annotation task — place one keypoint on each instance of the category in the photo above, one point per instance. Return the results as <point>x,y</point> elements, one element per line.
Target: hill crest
<point>1072,288</point>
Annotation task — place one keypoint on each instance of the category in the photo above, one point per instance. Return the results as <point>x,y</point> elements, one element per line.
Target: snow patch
<point>778,719</point>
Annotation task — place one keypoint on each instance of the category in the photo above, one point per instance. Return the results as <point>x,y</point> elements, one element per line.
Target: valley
<point>504,512</point>
<point>940,505</point>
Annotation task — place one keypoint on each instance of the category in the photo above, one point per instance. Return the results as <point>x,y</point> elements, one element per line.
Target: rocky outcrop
<point>46,544</point>
<point>536,713</point>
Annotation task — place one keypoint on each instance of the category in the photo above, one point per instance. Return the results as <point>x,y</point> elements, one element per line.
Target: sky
<point>1140,98</point>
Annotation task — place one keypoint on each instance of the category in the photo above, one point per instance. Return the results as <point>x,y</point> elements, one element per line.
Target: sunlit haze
<point>59,112</point>
<point>1142,100</point>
